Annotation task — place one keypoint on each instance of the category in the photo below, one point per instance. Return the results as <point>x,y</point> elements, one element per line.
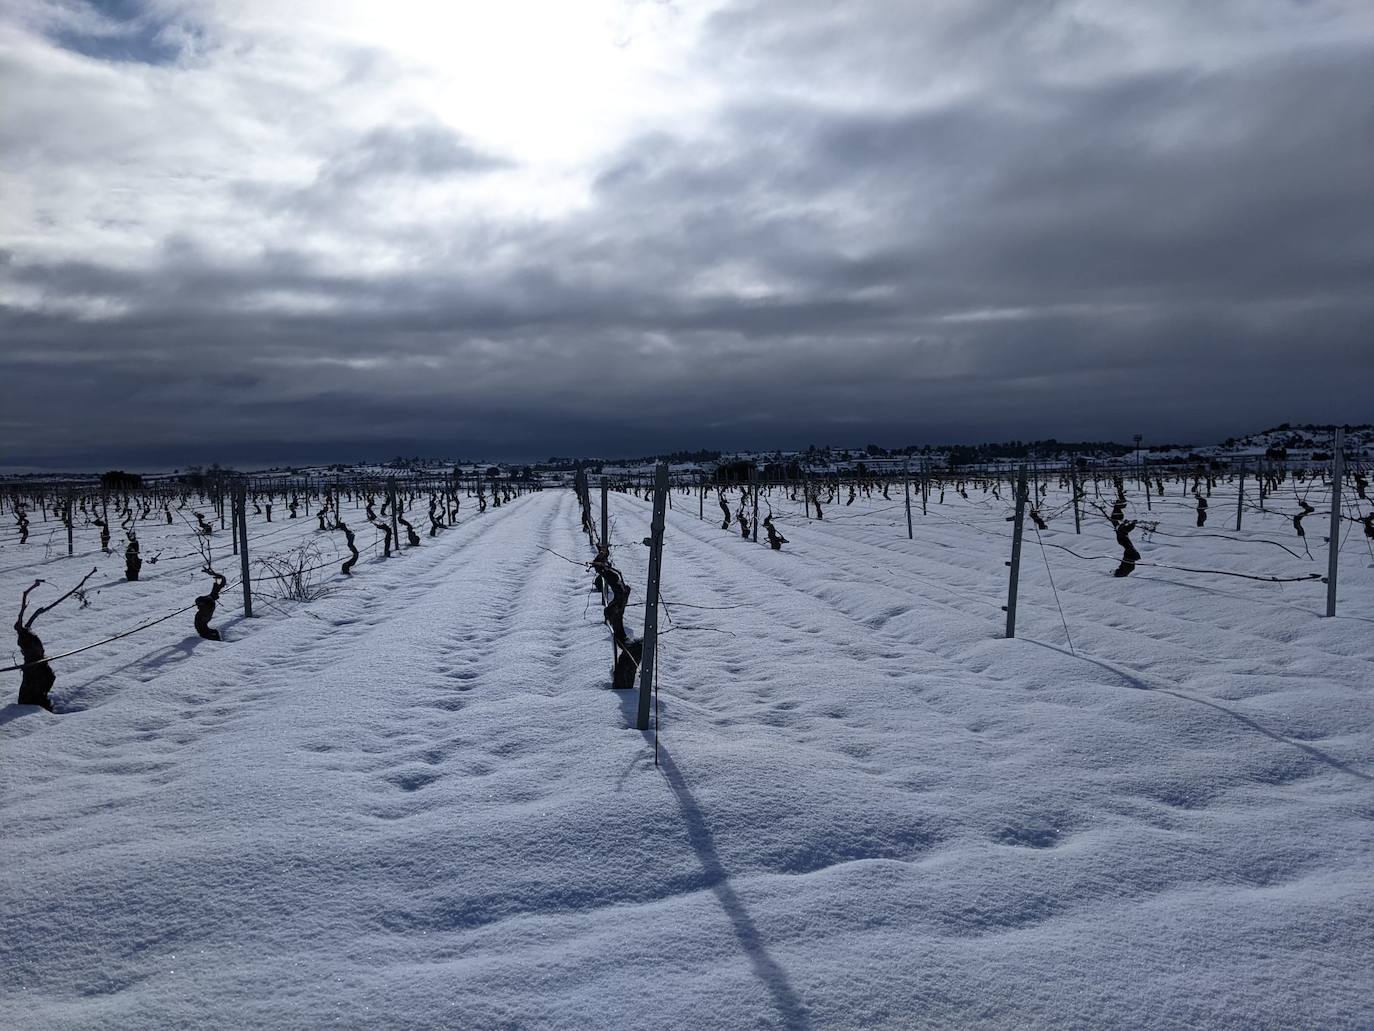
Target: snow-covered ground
<point>416,804</point>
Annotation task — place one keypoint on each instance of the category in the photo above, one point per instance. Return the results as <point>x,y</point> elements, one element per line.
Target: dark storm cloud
<point>970,245</point>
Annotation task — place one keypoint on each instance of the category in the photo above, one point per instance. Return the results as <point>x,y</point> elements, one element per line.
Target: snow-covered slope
<point>415,804</point>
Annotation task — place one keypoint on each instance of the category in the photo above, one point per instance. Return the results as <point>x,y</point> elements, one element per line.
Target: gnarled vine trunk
<point>347,567</point>
<point>205,607</point>
<point>386,543</point>
<point>775,539</point>
<point>133,562</point>
<point>1129,555</point>
<point>37,678</point>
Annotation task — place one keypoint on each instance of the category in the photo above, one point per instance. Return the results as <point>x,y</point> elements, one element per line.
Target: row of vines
<point>298,540</point>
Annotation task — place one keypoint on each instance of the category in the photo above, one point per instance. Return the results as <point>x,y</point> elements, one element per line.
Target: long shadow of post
<point>766,968</point>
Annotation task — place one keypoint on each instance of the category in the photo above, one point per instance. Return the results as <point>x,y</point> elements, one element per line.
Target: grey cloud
<point>423,151</point>
<point>125,30</point>
<point>383,157</point>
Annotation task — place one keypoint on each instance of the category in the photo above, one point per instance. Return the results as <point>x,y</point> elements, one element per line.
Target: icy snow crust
<point>416,804</point>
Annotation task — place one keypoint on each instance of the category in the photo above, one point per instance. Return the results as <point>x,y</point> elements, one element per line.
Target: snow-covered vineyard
<point>414,801</point>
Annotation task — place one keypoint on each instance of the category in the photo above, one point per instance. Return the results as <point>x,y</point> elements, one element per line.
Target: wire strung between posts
<point>1242,576</point>
<point>109,640</point>
<point>1225,537</point>
<point>1045,555</point>
<point>154,622</point>
<point>1188,569</point>
<point>704,608</point>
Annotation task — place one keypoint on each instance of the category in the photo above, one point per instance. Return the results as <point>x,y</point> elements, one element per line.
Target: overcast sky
<point>262,230</point>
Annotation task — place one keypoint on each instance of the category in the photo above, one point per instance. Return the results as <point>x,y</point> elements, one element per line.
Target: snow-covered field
<point>416,804</point>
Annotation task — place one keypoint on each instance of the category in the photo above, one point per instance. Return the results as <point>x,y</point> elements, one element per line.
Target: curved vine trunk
<point>205,607</point>
<point>37,678</point>
<point>609,577</point>
<point>412,538</point>
<point>1129,555</point>
<point>775,539</point>
<point>347,567</point>
<point>386,543</point>
<point>1297,519</point>
<point>724,511</point>
<point>629,651</point>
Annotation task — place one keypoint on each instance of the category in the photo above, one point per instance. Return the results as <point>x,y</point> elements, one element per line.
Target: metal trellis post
<point>240,507</point>
<point>1240,494</point>
<point>650,641</point>
<point>1334,550</point>
<point>754,488</point>
<point>391,497</point>
<point>906,485</point>
<point>605,515</point>
<point>1015,563</point>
